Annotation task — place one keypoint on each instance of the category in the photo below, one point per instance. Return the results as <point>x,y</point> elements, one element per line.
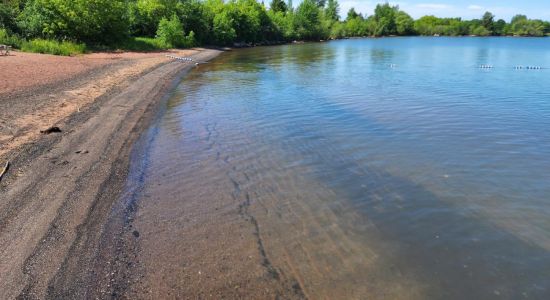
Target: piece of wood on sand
<point>4,170</point>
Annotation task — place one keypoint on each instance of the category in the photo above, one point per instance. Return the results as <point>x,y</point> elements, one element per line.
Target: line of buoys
<point>485,66</point>
<point>180,58</point>
<point>528,68</point>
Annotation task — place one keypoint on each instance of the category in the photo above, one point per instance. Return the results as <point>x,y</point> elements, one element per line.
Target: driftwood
<point>53,129</point>
<point>6,168</point>
<point>6,49</point>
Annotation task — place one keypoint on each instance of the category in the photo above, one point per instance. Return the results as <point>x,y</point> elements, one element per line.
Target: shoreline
<point>67,183</point>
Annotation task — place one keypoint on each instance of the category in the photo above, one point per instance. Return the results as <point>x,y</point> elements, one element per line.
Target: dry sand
<point>61,187</point>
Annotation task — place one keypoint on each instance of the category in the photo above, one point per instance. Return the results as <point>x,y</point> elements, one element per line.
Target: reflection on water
<point>388,168</point>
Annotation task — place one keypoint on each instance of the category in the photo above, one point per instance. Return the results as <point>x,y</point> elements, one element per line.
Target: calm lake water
<point>375,168</point>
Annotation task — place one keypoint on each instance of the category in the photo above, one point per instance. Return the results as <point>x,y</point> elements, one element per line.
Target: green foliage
<point>8,15</point>
<point>307,21</point>
<point>278,6</point>
<point>9,39</point>
<point>91,21</point>
<point>332,10</point>
<point>352,14</point>
<point>488,22</point>
<point>195,17</point>
<point>283,25</point>
<point>521,26</point>
<point>170,33</point>
<point>132,24</point>
<point>384,15</point>
<point>53,47</point>
<point>224,33</point>
<point>480,31</point>
<point>138,44</point>
<point>338,30</point>
<point>145,15</point>
<point>356,27</point>
<point>404,23</point>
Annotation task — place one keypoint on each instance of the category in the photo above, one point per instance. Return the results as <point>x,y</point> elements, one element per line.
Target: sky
<point>469,9</point>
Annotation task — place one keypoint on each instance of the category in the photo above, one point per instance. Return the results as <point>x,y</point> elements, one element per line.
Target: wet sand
<point>61,187</point>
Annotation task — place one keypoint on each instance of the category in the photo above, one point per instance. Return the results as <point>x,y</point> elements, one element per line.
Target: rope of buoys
<point>528,68</point>
<point>184,59</point>
<point>180,58</point>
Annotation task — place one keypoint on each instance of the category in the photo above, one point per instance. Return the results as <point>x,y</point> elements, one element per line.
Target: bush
<point>8,14</point>
<point>170,32</point>
<point>10,40</point>
<point>140,44</point>
<point>90,21</point>
<point>53,47</point>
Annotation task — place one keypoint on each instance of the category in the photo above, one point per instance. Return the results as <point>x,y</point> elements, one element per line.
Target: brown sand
<point>41,90</point>
<point>61,187</point>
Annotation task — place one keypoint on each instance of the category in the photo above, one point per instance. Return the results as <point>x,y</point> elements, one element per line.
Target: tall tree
<point>289,5</point>
<point>352,14</point>
<point>384,15</point>
<point>404,23</point>
<point>487,21</point>
<point>277,5</point>
<point>307,20</point>
<point>332,10</point>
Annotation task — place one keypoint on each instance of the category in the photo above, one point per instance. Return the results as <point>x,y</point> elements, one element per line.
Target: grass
<point>10,40</point>
<point>64,48</point>
<point>141,44</point>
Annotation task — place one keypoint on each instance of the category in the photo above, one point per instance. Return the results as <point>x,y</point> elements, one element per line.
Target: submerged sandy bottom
<point>318,171</point>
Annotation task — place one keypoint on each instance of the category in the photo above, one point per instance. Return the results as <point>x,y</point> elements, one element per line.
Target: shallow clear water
<point>376,168</point>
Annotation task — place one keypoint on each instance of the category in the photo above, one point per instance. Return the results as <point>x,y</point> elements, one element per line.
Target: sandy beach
<point>60,188</point>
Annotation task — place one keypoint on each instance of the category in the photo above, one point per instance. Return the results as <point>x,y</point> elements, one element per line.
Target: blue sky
<point>505,9</point>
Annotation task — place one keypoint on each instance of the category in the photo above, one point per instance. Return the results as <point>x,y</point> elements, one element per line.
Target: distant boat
<point>437,34</point>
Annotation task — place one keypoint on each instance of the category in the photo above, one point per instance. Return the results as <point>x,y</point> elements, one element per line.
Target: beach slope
<point>62,184</point>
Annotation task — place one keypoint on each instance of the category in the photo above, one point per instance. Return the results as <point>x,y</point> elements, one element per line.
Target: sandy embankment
<point>61,187</point>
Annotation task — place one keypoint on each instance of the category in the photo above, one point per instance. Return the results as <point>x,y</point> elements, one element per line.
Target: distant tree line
<point>182,23</point>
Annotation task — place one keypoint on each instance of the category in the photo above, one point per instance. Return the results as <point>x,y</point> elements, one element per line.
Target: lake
<point>395,168</point>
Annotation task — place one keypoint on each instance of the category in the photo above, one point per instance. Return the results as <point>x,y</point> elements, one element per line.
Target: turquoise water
<point>399,166</point>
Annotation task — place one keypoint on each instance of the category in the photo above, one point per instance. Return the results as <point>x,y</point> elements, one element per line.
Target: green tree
<point>307,20</point>
<point>404,23</point>
<point>499,27</point>
<point>170,32</point>
<point>195,17</point>
<point>223,31</point>
<point>8,15</point>
<point>321,3</point>
<point>145,15</point>
<point>488,21</point>
<point>384,15</point>
<point>90,21</point>
<point>278,5</point>
<point>522,26</point>
<point>332,10</point>
<point>352,14</point>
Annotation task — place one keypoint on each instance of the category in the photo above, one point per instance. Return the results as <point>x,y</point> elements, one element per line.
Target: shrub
<point>170,32</point>
<point>141,44</point>
<point>90,21</point>
<point>8,14</point>
<point>10,40</point>
<point>53,47</point>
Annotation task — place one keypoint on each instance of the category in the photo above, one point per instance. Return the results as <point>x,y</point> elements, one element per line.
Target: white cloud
<point>434,6</point>
<point>475,7</point>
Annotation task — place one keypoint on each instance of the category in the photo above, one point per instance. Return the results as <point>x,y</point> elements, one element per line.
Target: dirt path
<point>61,187</point>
